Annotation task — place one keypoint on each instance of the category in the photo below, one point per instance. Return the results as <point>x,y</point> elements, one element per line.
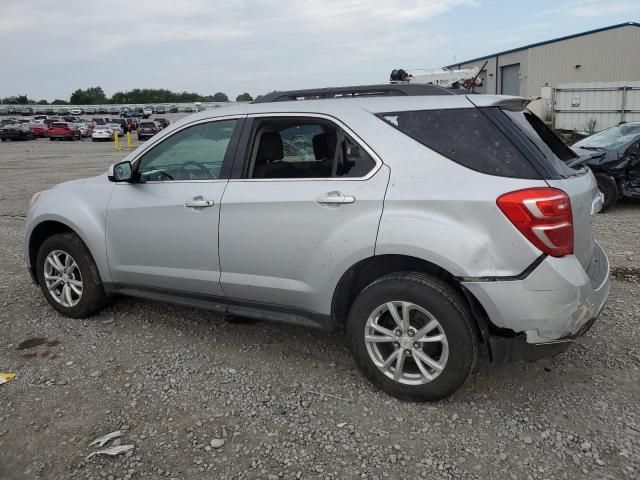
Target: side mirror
<point>121,172</point>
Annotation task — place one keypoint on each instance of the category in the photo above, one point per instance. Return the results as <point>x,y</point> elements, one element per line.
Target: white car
<point>85,129</point>
<point>116,127</point>
<point>75,111</point>
<point>102,132</point>
<point>147,111</point>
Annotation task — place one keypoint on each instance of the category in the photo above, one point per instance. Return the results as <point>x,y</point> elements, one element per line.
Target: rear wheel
<point>609,189</point>
<point>412,336</point>
<point>68,276</point>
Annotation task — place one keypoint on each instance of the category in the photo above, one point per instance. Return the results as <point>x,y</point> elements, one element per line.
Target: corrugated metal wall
<point>609,103</point>
<point>610,55</point>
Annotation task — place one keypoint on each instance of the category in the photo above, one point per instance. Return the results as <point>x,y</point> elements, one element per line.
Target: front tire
<point>412,336</point>
<point>609,189</point>
<point>68,276</point>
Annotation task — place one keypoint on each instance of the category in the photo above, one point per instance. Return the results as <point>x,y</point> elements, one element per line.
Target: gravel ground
<point>200,397</point>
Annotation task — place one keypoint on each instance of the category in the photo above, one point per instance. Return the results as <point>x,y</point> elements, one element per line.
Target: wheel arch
<point>358,276</point>
<point>40,233</point>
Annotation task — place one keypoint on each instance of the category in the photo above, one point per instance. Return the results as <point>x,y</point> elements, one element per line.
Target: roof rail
<point>385,90</point>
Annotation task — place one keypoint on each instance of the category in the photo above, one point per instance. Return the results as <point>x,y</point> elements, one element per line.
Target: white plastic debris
<point>340,425</point>
<point>100,441</point>
<point>5,377</point>
<point>111,451</point>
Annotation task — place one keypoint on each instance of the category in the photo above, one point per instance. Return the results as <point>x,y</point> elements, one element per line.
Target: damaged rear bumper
<point>557,302</point>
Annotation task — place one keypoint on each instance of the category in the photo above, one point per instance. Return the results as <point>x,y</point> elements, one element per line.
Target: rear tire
<point>76,271</point>
<point>438,344</point>
<point>607,185</point>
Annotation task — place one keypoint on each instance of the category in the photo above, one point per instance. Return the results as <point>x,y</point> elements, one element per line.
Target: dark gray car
<point>615,160</point>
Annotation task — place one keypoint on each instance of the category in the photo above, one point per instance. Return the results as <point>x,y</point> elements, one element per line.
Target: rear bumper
<point>557,302</point>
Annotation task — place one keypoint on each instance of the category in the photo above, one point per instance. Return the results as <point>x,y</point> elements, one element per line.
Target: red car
<point>64,130</point>
<point>40,130</point>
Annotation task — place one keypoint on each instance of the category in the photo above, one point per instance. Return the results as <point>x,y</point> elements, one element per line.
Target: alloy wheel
<point>406,343</point>
<point>63,278</point>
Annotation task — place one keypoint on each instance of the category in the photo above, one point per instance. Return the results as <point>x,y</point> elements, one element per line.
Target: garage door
<point>510,83</point>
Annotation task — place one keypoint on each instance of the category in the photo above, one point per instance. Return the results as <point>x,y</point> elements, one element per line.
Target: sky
<point>51,48</point>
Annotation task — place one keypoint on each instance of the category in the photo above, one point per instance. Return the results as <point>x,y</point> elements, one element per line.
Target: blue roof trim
<point>546,42</point>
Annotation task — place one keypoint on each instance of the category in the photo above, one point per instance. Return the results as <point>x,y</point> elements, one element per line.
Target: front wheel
<point>412,336</point>
<point>68,276</point>
<point>609,189</point>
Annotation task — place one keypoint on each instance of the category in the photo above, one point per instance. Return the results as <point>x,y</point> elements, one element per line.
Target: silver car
<point>420,225</point>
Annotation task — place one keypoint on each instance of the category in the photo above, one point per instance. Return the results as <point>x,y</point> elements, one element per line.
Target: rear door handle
<point>335,198</point>
<point>198,202</point>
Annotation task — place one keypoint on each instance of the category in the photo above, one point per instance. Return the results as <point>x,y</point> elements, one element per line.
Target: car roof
<point>371,104</point>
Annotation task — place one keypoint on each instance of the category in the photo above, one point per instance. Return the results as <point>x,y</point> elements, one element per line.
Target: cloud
<point>593,8</point>
<point>205,46</point>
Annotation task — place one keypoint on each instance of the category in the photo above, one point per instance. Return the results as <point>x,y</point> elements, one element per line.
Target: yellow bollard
<point>116,143</point>
<point>129,144</point>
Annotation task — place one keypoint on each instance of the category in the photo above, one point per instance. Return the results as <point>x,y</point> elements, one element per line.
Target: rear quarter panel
<point>442,212</point>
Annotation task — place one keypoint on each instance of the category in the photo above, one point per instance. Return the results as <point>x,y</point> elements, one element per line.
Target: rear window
<point>467,137</point>
<point>60,125</point>
<point>550,150</point>
<point>147,125</point>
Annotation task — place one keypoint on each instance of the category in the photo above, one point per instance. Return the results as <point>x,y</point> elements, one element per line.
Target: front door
<point>162,230</point>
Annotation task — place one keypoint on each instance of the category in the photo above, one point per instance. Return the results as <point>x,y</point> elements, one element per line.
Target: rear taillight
<point>543,215</point>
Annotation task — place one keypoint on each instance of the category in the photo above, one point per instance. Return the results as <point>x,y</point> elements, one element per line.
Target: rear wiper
<point>588,147</point>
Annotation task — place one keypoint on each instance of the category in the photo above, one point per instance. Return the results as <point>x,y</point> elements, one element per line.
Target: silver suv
<point>421,226</point>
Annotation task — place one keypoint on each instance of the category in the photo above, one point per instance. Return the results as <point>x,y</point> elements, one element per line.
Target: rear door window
<point>467,137</point>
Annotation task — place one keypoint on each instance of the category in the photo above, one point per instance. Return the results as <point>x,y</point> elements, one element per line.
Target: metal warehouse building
<point>603,55</point>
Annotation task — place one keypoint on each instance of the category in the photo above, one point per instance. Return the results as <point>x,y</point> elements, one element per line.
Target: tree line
<point>96,96</point>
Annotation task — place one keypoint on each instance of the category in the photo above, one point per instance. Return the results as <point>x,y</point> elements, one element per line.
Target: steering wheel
<point>207,174</point>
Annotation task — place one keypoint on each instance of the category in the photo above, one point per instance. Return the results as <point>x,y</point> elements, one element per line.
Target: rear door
<point>304,205</point>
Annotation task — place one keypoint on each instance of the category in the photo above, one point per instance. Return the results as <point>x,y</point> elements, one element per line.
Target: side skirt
<point>227,306</point>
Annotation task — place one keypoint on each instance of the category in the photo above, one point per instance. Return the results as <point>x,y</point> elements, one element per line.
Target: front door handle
<point>335,198</point>
<point>198,202</point>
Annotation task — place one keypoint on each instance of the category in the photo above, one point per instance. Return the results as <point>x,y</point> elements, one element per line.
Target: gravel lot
<point>200,397</point>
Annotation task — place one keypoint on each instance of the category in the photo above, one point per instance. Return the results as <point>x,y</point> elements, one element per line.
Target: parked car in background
<point>90,110</point>
<point>64,131</point>
<point>132,124</point>
<point>160,109</point>
<point>615,160</point>
<point>40,129</point>
<point>162,122</point>
<point>75,111</point>
<point>101,133</point>
<point>40,117</point>
<point>85,129</point>
<point>147,112</point>
<point>16,131</point>
<point>147,129</point>
<point>116,128</point>
<point>173,109</point>
<point>122,122</point>
<point>426,228</point>
<point>114,110</point>
<point>12,110</point>
<point>188,109</point>
<point>26,111</point>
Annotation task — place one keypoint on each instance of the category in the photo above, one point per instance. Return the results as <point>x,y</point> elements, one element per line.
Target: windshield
<point>613,137</point>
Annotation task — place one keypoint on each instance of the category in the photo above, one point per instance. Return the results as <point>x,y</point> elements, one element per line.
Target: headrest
<point>324,145</point>
<point>270,148</point>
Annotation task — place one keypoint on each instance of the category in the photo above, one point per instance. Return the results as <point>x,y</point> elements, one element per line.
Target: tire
<point>4,139</point>
<point>94,140</point>
<point>609,189</point>
<point>429,299</point>
<point>93,297</point>
<point>51,139</point>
